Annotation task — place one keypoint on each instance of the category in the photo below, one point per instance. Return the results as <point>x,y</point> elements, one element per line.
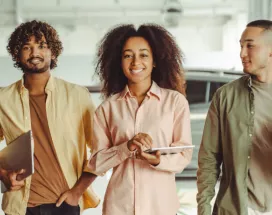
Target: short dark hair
<point>35,28</point>
<point>168,72</point>
<point>261,23</point>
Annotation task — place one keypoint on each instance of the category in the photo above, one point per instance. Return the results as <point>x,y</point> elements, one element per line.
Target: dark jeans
<point>51,209</point>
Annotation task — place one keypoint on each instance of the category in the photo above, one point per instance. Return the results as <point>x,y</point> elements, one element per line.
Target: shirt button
<point>248,157</point>
<point>252,112</point>
<point>26,117</point>
<point>250,135</point>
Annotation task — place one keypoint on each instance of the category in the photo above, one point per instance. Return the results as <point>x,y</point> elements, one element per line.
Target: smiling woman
<point>141,72</point>
<point>167,70</point>
<point>137,60</point>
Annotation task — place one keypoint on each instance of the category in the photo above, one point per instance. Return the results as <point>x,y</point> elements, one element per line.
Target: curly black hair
<point>38,29</point>
<point>168,73</point>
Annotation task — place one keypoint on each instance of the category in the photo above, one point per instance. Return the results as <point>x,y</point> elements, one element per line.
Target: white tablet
<point>170,150</point>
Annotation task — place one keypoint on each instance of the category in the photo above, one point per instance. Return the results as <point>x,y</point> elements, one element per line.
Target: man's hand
<point>153,159</point>
<point>70,197</point>
<point>140,141</point>
<point>11,179</point>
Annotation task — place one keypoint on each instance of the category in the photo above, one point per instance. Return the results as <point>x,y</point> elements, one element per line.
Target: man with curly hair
<point>60,116</point>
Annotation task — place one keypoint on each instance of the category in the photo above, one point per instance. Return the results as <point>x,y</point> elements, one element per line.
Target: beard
<point>35,69</point>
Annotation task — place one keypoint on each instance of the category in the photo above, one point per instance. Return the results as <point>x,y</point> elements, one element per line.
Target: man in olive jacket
<point>237,137</point>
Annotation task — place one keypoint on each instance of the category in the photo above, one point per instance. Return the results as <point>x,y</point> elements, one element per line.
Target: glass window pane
<point>196,91</point>
<point>214,87</point>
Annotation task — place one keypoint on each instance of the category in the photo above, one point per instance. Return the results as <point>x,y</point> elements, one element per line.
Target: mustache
<point>32,58</point>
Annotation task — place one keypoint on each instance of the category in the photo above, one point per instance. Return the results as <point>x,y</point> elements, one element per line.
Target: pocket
<point>67,205</point>
<point>70,209</point>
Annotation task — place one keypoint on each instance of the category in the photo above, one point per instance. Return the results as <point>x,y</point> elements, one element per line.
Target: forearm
<point>1,173</point>
<point>209,162</point>
<point>85,180</point>
<point>207,176</point>
<point>105,159</point>
<point>174,162</point>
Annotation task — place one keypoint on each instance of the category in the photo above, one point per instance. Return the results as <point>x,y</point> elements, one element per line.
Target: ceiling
<point>109,12</point>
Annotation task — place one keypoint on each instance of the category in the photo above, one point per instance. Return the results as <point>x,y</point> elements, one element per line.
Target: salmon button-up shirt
<point>136,187</point>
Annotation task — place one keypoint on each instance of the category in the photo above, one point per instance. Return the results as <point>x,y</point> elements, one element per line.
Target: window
<point>196,91</point>
<point>214,86</point>
<point>201,91</point>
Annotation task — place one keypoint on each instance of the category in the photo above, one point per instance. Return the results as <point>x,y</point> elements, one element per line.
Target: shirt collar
<point>124,93</point>
<point>49,86</point>
<point>153,91</point>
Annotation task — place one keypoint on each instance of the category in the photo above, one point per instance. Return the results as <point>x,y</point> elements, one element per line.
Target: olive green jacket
<point>226,141</point>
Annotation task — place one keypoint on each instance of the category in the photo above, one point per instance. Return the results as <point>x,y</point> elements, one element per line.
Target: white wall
<point>196,38</point>
<point>78,69</point>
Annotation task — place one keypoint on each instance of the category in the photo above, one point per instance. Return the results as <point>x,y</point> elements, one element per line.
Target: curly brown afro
<point>38,29</point>
<point>168,73</point>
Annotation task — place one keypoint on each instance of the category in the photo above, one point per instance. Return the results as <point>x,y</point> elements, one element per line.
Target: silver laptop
<point>19,154</point>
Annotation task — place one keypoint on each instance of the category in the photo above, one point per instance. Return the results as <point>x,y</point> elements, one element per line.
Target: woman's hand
<point>140,141</point>
<point>153,158</point>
